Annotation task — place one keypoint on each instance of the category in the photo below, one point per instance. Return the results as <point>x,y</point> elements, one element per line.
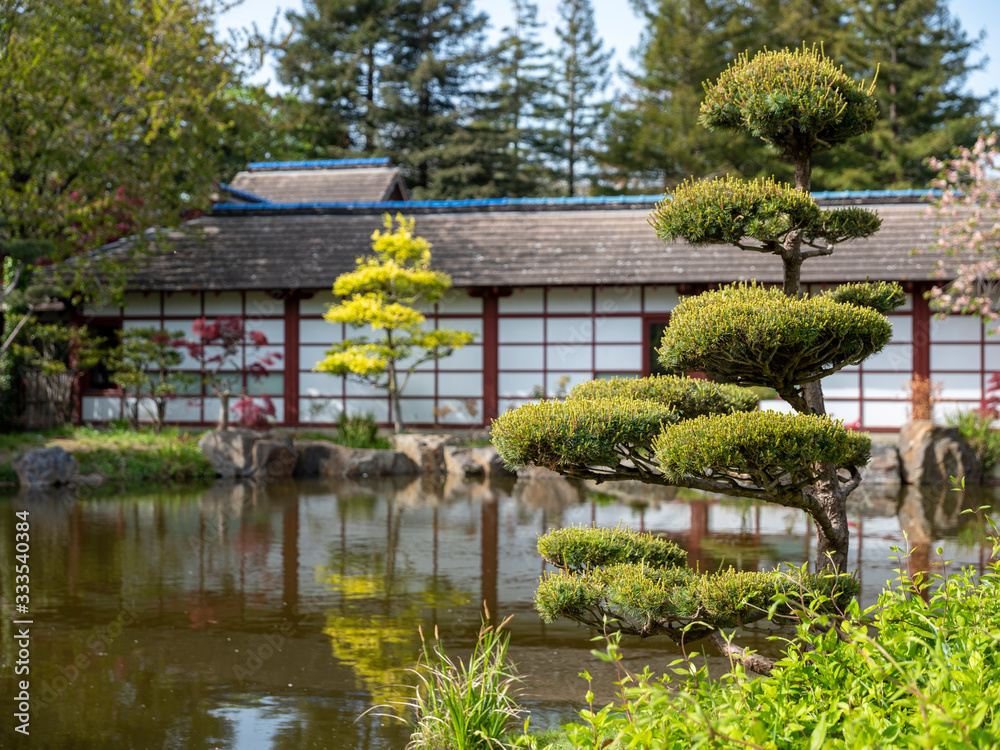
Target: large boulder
<point>488,457</point>
<point>884,469</point>
<point>459,461</point>
<point>274,458</point>
<point>321,458</point>
<point>930,454</point>
<point>230,451</point>
<point>45,467</point>
<point>426,451</point>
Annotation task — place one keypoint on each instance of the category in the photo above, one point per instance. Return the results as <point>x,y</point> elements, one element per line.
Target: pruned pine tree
<point>580,74</point>
<point>708,435</point>
<point>379,295</point>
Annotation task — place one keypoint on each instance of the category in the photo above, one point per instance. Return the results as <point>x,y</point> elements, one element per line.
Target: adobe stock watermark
<point>99,640</point>
<point>271,644</point>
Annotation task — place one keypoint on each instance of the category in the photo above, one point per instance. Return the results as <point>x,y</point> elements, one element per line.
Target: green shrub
<point>764,444</point>
<point>577,548</point>
<point>751,335</point>
<point>359,431</point>
<point>906,673</point>
<point>976,427</point>
<point>580,432</point>
<point>689,397</point>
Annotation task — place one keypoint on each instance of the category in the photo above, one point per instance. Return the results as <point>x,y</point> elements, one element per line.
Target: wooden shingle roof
<point>587,243</point>
<point>349,180</point>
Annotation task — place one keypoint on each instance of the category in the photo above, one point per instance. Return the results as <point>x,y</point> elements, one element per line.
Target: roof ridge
<point>275,166</point>
<point>543,203</point>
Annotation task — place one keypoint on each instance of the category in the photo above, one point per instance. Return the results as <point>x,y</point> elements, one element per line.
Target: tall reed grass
<point>459,705</point>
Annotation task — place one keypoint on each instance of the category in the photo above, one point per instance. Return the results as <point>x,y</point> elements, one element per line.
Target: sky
<point>621,30</point>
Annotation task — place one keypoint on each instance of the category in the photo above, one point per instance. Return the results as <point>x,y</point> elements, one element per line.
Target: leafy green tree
<point>923,59</point>
<point>116,117</point>
<point>579,76</point>
<point>689,433</point>
<point>379,295</point>
<point>145,364</point>
<point>334,64</point>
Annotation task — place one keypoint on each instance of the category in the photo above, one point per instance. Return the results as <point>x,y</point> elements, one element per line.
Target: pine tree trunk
<point>828,492</point>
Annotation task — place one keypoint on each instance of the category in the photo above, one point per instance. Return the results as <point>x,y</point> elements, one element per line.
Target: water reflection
<point>272,616</point>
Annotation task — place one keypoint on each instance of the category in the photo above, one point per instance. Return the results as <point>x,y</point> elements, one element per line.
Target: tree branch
<point>755,662</point>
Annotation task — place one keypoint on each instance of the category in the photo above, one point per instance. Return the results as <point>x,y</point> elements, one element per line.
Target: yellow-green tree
<point>380,294</point>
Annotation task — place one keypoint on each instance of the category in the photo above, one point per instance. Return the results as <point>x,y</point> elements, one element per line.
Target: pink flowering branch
<point>969,208</point>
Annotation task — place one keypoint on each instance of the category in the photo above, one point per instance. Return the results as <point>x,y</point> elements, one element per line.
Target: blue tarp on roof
<point>610,200</point>
<point>256,166</point>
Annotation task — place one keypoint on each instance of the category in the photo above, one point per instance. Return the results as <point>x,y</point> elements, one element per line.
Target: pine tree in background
<point>432,89</point>
<point>520,108</point>
<point>334,64</point>
<point>652,139</point>
<point>923,58</point>
<point>579,75</point>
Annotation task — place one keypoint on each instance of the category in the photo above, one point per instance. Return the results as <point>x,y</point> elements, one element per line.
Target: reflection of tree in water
<point>379,604</point>
<point>929,513</point>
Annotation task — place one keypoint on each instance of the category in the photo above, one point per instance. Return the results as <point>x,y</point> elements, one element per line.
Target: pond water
<point>274,616</point>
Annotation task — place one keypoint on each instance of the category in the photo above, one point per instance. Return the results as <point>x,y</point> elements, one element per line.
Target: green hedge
<point>578,549</point>
<point>689,397</point>
<point>560,435</point>
<point>763,441</point>
<point>798,101</point>
<point>749,335</point>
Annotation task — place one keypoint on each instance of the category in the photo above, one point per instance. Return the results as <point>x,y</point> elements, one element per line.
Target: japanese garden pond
<point>274,616</point>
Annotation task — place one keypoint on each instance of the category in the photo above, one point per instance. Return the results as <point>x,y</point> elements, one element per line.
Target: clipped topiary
<point>686,433</point>
<point>751,335</point>
<point>688,397</point>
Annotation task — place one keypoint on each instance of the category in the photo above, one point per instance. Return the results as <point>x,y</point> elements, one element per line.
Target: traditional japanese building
<point>558,291</point>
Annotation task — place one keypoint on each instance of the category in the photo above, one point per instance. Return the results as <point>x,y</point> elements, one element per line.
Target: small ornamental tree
<point>225,348</point>
<point>380,294</point>
<point>708,435</point>
<point>145,366</point>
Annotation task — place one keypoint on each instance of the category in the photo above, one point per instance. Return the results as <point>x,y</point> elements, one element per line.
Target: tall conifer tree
<point>580,76</point>
<point>923,58</point>
<point>335,63</point>
<point>520,105</point>
<point>653,140</point>
<point>432,88</point>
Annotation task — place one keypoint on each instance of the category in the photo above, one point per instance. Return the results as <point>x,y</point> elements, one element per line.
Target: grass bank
<point>118,455</point>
